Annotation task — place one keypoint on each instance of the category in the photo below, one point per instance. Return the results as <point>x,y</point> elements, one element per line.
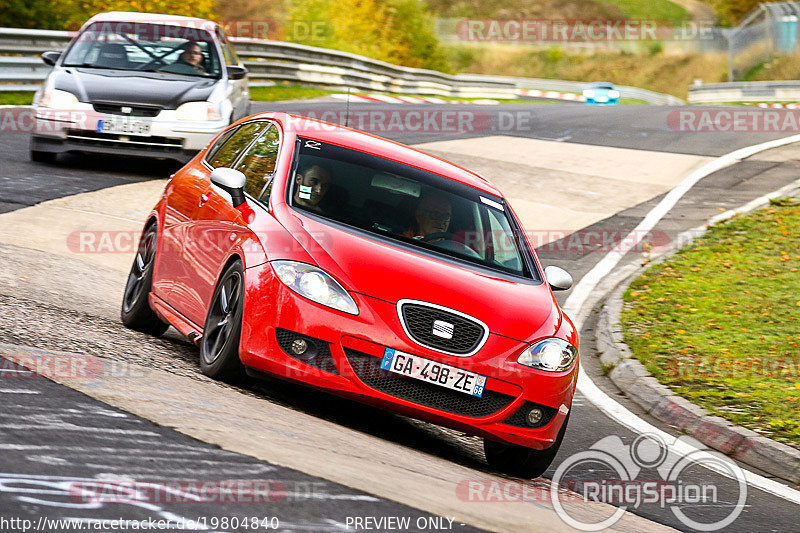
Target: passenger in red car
<point>312,184</point>
<point>431,216</point>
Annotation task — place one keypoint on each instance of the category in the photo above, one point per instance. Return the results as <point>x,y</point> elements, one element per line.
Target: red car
<point>324,255</point>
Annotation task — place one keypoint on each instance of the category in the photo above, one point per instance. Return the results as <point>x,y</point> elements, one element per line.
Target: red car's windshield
<point>407,205</point>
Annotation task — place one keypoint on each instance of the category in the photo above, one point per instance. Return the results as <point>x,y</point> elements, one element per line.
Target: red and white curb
<point>386,99</point>
<point>553,95</point>
<point>778,106</point>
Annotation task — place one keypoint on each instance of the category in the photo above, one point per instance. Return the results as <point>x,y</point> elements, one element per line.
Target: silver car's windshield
<point>408,205</point>
<point>144,47</point>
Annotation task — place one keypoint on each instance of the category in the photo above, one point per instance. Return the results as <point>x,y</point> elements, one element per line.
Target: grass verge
<point>719,322</point>
<point>650,10</point>
<point>287,92</point>
<point>297,92</point>
<point>664,72</point>
<point>16,97</point>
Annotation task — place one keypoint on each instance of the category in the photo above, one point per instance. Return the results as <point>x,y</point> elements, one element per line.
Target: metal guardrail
<point>21,69</point>
<point>745,91</point>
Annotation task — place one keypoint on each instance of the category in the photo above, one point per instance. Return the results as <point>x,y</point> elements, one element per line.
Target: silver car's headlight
<point>198,111</point>
<point>552,355</point>
<point>613,94</point>
<point>315,284</point>
<point>58,99</point>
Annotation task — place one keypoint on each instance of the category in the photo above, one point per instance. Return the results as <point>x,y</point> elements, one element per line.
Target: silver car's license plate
<point>440,374</point>
<point>128,126</point>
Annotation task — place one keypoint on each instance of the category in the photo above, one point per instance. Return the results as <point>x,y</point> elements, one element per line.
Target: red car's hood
<point>522,311</point>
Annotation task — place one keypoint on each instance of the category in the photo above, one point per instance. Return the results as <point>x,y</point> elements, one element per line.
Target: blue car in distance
<point>602,92</point>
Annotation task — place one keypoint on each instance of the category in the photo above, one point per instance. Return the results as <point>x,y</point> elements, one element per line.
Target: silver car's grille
<point>131,110</point>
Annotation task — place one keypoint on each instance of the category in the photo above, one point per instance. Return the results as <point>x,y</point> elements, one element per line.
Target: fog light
<point>535,416</point>
<point>299,346</point>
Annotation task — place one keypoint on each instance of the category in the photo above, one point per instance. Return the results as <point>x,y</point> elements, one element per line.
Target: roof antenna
<point>347,110</point>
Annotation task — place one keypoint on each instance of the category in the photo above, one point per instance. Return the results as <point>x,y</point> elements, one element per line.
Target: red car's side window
<point>231,147</point>
<point>258,164</point>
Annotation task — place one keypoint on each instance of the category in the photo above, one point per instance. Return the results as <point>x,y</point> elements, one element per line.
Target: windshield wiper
<point>89,65</point>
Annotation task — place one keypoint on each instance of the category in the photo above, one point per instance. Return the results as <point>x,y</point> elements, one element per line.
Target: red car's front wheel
<point>219,350</point>
<point>520,461</point>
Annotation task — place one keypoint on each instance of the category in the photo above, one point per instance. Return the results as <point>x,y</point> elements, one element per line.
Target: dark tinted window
<point>236,143</point>
<point>408,206</point>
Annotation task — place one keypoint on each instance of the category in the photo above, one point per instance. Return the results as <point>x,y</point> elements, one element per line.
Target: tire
<point>136,312</point>
<point>43,157</point>
<point>520,461</point>
<point>219,349</point>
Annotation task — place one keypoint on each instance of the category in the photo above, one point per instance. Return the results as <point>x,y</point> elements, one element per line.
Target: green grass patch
<point>650,10</point>
<point>719,322</point>
<point>297,92</point>
<point>277,93</point>
<point>16,97</point>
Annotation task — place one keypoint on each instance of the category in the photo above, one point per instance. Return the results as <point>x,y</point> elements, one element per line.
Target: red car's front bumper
<point>348,351</point>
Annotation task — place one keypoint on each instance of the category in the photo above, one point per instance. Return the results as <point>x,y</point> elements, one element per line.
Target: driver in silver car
<point>189,62</point>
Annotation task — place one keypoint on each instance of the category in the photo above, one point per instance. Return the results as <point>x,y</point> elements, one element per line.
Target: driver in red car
<point>431,216</point>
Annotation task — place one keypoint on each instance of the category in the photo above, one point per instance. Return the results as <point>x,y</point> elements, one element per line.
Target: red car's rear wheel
<point>136,312</point>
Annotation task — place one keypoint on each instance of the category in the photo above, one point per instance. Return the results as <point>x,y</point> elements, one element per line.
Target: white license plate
<point>124,125</point>
<point>440,374</point>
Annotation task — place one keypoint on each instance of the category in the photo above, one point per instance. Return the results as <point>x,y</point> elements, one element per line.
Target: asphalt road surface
<point>44,442</point>
<point>68,457</point>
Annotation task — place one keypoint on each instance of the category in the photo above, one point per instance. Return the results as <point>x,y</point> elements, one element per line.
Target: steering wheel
<point>444,239</point>
<point>152,63</point>
<point>441,236</point>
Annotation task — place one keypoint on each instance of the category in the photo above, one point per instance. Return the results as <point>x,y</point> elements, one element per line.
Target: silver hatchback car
<point>140,84</point>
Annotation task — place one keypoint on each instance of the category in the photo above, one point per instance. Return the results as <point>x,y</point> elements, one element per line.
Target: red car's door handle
<point>203,199</point>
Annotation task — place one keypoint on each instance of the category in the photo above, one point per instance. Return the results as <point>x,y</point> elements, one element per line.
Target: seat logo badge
<point>443,329</point>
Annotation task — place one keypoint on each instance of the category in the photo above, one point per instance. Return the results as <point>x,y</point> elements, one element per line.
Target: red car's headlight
<point>552,355</point>
<point>315,284</point>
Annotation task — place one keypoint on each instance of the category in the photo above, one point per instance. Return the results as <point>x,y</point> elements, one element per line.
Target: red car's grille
<point>466,335</point>
<point>368,369</point>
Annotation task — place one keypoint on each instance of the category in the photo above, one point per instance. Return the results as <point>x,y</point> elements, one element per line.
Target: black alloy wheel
<point>136,312</point>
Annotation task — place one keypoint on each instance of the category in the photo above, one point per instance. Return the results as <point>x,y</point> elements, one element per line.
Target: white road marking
<point>19,391</point>
<point>26,488</point>
<point>72,427</point>
<point>582,290</point>
<point>150,452</point>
